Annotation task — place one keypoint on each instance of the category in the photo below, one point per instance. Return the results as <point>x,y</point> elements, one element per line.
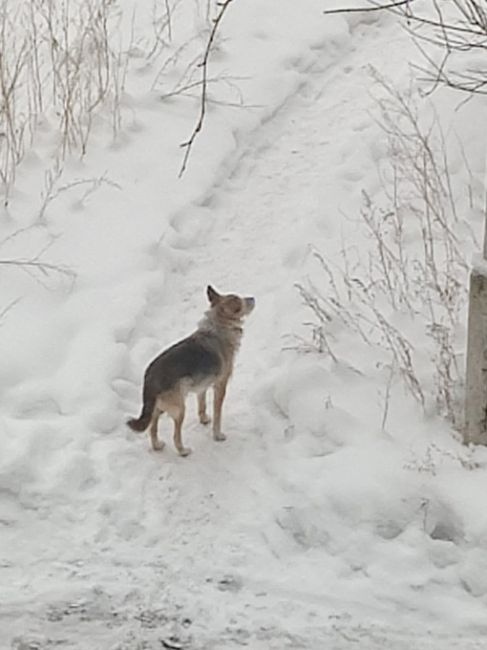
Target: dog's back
<point>196,359</point>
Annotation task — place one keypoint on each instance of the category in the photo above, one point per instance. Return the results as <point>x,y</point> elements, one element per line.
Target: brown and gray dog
<point>203,359</point>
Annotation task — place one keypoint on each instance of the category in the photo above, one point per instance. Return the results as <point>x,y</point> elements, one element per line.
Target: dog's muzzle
<point>250,304</point>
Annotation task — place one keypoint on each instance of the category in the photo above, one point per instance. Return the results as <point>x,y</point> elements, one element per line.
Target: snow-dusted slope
<point>310,527</point>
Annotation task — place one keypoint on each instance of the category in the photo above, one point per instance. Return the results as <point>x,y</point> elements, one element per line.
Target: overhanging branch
<point>204,84</point>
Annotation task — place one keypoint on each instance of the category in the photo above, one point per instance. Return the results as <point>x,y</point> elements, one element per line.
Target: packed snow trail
<point>148,548</point>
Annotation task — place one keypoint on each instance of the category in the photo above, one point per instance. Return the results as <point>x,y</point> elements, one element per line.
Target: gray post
<point>476,372</point>
<point>475,430</point>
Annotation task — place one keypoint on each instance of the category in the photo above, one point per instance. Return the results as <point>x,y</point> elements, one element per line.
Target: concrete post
<point>476,371</point>
<point>475,430</point>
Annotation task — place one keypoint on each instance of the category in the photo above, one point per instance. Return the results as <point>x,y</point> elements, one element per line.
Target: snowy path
<point>194,551</point>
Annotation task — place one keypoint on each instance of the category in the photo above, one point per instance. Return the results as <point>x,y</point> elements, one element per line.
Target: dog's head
<point>229,307</point>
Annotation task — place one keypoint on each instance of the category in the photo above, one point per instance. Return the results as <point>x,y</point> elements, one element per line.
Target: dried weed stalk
<point>405,300</point>
<point>56,59</point>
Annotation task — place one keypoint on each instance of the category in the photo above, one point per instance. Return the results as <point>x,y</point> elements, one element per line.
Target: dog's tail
<point>142,422</point>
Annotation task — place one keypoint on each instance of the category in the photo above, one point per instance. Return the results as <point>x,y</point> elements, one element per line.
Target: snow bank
<point>379,489</point>
<point>338,512</point>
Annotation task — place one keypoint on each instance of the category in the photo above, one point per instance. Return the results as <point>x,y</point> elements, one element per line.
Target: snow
<point>319,522</point>
<point>479,264</point>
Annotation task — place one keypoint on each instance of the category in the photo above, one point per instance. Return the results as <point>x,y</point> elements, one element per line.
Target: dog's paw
<point>205,419</point>
<point>219,437</point>
<point>184,451</point>
<point>158,446</point>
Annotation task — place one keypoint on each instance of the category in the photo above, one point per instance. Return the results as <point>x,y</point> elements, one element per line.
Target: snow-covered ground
<point>317,524</point>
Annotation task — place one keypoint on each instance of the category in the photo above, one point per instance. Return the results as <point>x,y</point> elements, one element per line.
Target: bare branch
<point>5,310</point>
<point>350,10</point>
<point>204,85</point>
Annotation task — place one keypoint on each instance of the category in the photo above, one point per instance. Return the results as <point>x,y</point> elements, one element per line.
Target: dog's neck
<point>232,330</point>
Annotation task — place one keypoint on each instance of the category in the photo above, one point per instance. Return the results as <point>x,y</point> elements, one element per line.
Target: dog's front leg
<point>204,419</point>
<point>219,396</point>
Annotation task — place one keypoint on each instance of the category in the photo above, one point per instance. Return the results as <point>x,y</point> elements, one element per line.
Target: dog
<point>202,360</point>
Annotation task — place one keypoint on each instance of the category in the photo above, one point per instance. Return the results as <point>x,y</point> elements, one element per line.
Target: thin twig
<point>42,267</point>
<point>8,308</point>
<point>350,10</point>
<point>204,89</point>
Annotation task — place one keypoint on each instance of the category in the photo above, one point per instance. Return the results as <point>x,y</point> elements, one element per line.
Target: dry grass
<point>406,295</point>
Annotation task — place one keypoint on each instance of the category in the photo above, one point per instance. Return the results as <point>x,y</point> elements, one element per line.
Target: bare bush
<point>36,266</point>
<point>162,24</point>
<point>413,277</point>
<point>456,29</point>
<point>55,59</point>
<point>53,188</point>
<point>459,30</point>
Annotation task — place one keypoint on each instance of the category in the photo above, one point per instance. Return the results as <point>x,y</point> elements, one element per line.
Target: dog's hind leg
<point>157,445</point>
<point>177,413</point>
<point>204,418</point>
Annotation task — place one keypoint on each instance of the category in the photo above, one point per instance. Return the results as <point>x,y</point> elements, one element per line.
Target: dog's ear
<point>213,296</point>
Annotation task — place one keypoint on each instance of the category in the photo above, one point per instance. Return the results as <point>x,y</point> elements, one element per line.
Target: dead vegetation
<point>404,295</point>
